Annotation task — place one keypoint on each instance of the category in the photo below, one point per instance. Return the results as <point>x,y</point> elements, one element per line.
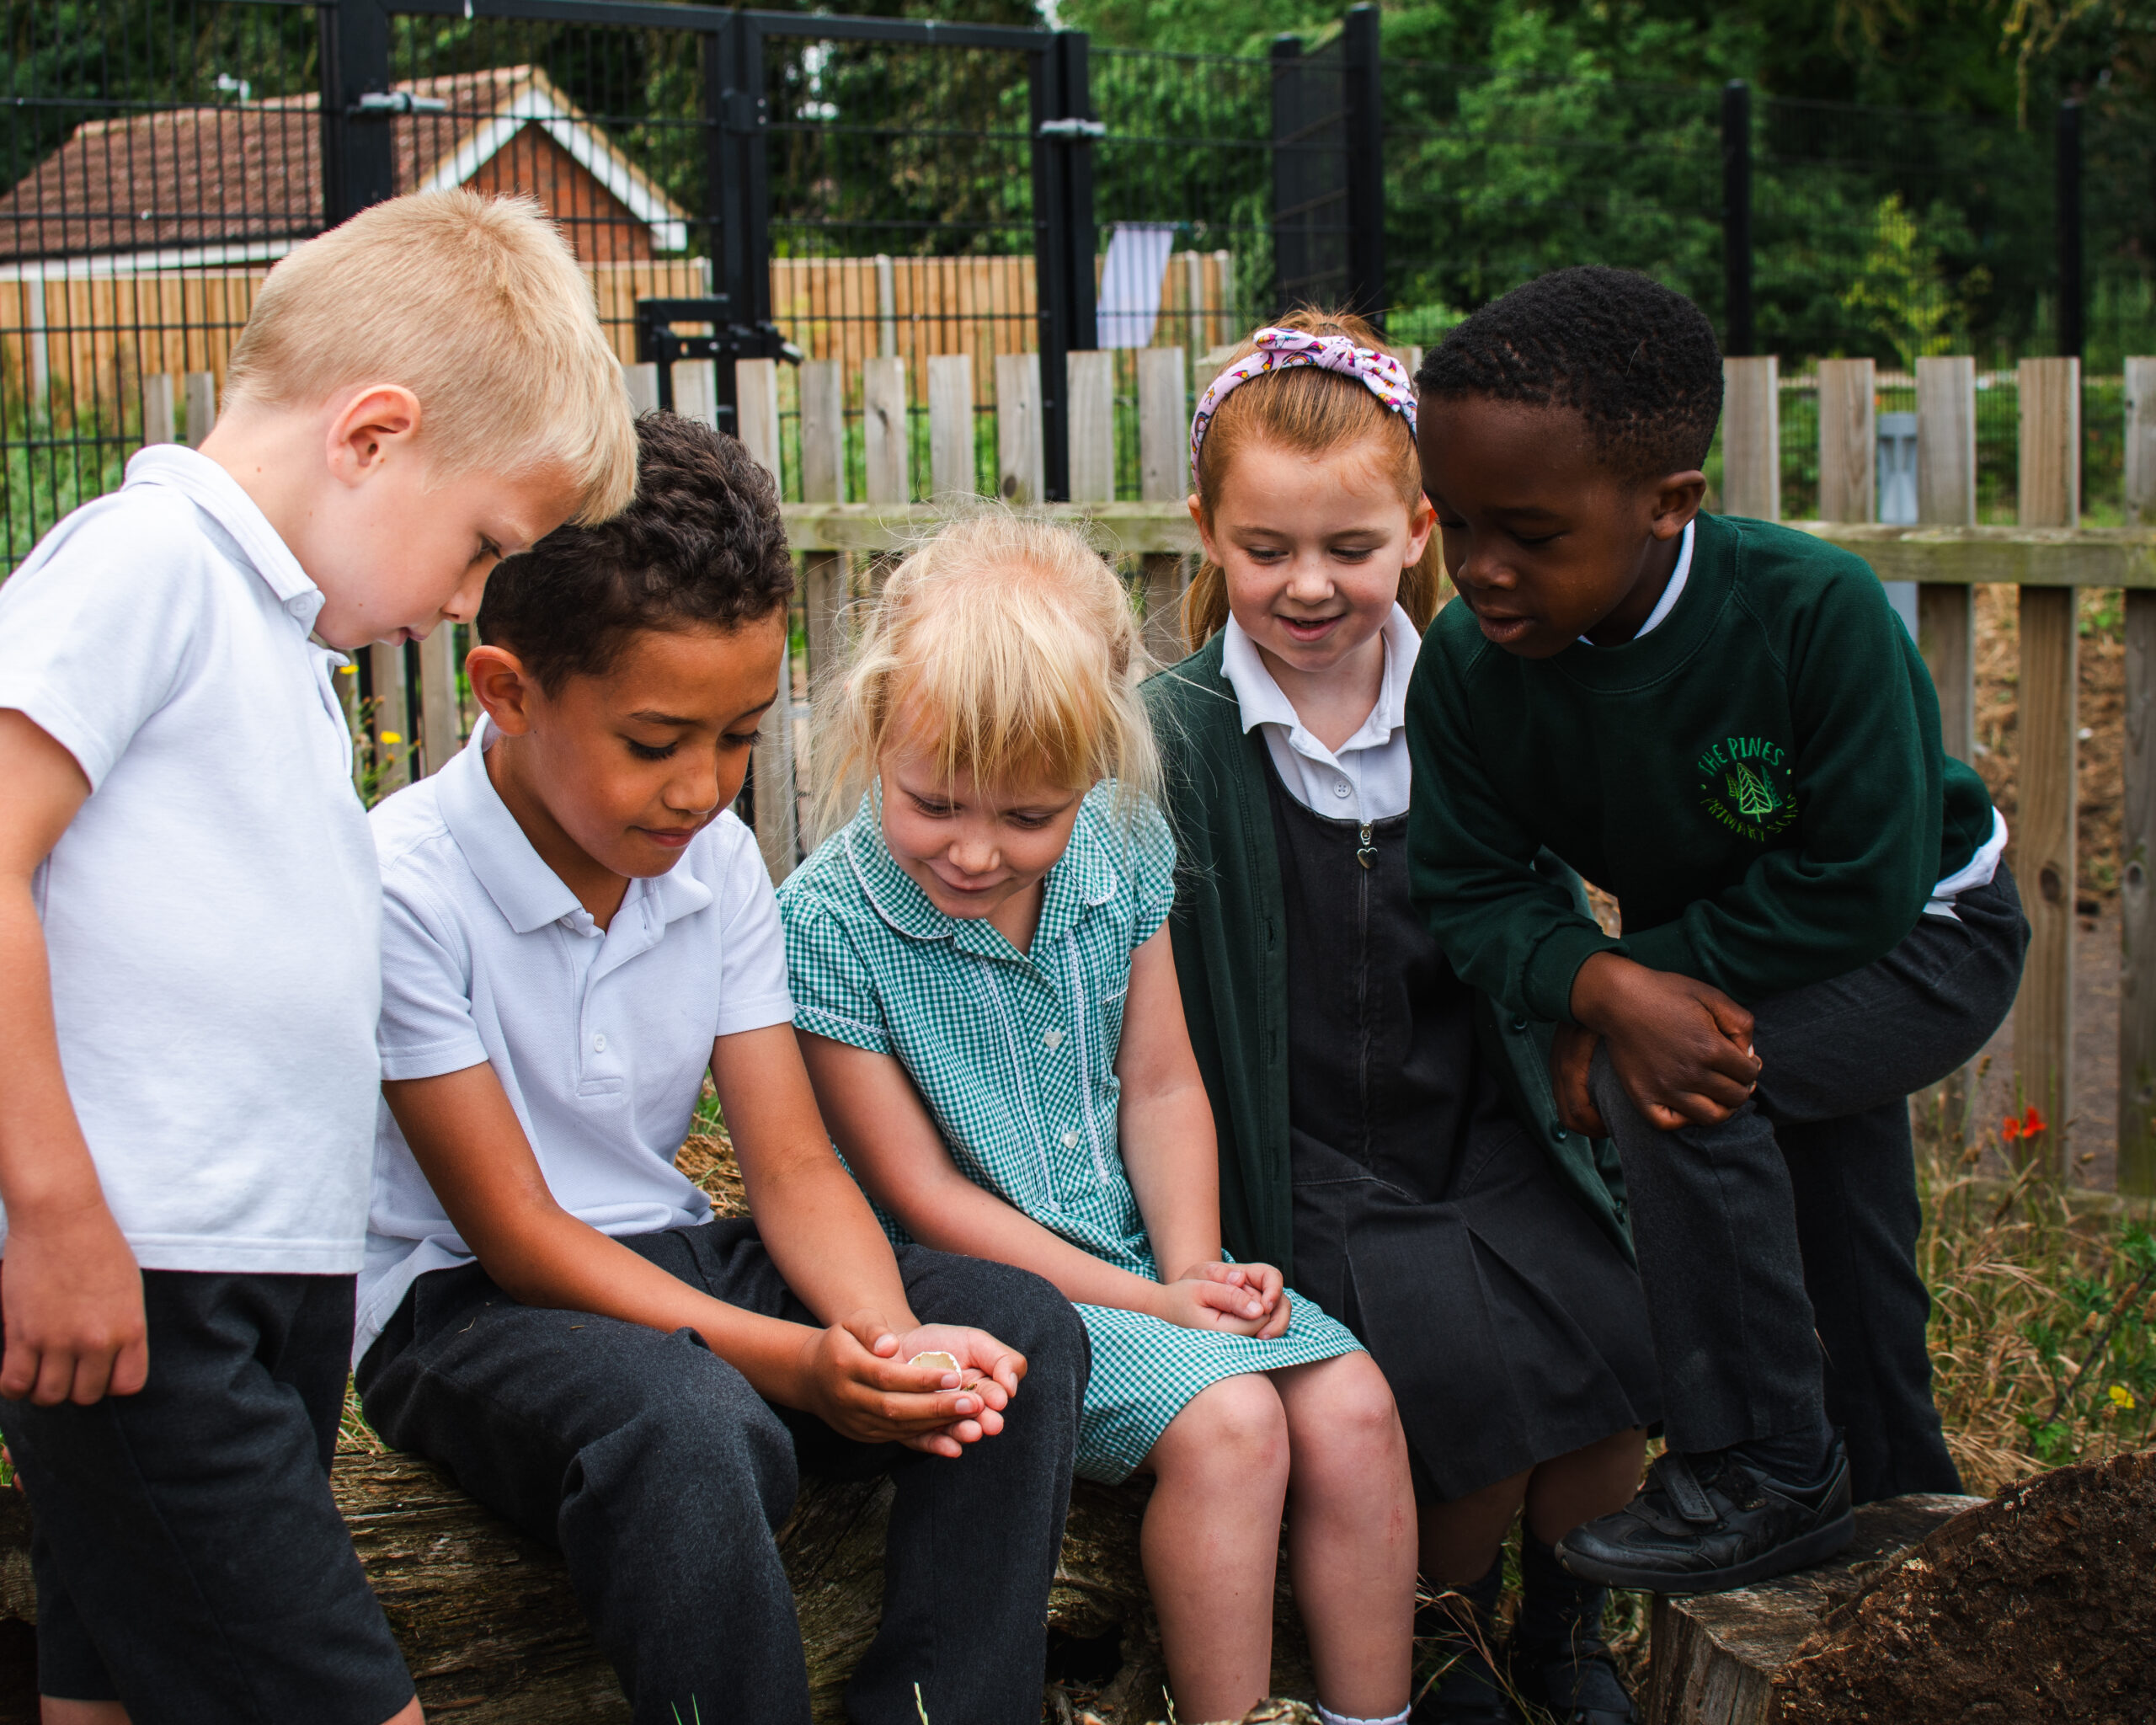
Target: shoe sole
<point>1814,1547</point>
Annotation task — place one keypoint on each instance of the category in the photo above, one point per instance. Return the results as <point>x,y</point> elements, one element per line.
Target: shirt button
<point>1341,789</point>
<point>1071,1141</point>
<point>1051,1040</point>
<point>598,1044</point>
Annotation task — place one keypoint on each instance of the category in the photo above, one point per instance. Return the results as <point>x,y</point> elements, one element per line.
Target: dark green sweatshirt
<point>1758,780</point>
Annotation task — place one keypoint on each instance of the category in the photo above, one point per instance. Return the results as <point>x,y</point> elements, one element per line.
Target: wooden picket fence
<point>2046,555</point>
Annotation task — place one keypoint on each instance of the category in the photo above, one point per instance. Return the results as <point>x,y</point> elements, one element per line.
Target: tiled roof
<point>232,178</point>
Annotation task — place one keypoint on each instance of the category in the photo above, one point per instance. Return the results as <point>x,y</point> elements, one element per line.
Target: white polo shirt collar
<point>1372,764</point>
<point>221,497</point>
<point>525,889</point>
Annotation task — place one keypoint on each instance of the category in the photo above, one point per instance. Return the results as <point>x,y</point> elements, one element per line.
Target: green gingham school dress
<point>1014,1053</point>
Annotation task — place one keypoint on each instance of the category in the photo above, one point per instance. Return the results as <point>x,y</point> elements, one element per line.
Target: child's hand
<point>1571,1056</point>
<point>985,1366</point>
<point>1264,1283</point>
<point>1199,1302</point>
<point>855,1379</point>
<point>72,1295</point>
<point>1682,1050</point>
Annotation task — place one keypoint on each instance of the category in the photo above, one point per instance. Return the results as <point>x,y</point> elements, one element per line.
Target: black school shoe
<point>1705,1524</point>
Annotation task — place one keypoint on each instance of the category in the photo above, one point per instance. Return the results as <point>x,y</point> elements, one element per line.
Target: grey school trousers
<point>663,1478</point>
<point>1778,1249</point>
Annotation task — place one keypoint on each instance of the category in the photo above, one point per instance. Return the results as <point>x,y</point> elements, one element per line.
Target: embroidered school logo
<point>1745,785</point>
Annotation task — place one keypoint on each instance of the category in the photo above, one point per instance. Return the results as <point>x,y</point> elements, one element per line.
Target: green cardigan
<point>1232,961</point>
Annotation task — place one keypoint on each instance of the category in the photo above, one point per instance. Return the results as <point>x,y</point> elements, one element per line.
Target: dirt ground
<point>2038,1608</point>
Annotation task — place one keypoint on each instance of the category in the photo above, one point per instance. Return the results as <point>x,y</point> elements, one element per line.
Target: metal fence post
<point>1738,335</point>
<point>1064,238</point>
<point>1365,105</point>
<point>2072,294</point>
<point>359,161</point>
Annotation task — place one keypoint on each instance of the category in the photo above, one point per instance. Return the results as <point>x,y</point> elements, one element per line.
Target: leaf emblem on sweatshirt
<point>1747,786</point>
<point>1752,794</point>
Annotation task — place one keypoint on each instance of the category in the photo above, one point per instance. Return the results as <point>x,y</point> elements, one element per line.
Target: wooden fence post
<point>440,730</point>
<point>1848,440</point>
<point>696,390</point>
<point>823,588</point>
<point>158,415</point>
<point>886,439</point>
<point>201,391</point>
<point>951,472</point>
<point>640,383</point>
<point>1946,613</point>
<point>2136,1166</point>
<point>1093,425</point>
<point>1163,476</point>
<point>1018,455</point>
<point>2049,392</point>
<point>389,725</point>
<point>756,394</point>
<point>1752,437</point>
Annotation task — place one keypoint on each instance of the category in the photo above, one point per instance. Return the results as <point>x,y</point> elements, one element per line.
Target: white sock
<point>1330,1718</point>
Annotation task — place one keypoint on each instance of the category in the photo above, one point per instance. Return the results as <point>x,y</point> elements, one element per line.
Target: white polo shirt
<point>212,912</point>
<point>1367,777</point>
<point>600,1036</point>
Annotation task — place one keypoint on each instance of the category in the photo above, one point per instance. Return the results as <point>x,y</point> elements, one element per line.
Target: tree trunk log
<point>494,1635</point>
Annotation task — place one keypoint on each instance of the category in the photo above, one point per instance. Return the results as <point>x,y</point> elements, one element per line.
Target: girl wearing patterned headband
<point>1384,1137</point>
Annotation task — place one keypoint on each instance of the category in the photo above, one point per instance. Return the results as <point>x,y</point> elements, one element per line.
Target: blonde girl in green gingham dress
<point>987,999</point>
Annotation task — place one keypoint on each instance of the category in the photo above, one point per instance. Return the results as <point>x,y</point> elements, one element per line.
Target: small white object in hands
<point>935,1357</point>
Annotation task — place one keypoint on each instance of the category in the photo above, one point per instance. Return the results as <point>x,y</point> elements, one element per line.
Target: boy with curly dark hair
<point>1723,722</point>
<point>576,930</point>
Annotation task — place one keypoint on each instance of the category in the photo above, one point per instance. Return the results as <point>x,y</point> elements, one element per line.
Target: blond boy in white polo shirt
<point>190,945</point>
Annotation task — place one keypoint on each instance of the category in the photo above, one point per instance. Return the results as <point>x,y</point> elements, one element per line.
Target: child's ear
<point>1205,535</point>
<point>503,688</point>
<point>1677,500</point>
<point>378,419</point>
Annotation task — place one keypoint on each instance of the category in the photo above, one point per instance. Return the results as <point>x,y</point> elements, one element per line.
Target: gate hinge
<point>1073,129</point>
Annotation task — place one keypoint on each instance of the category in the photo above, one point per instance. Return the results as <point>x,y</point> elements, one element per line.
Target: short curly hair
<point>1636,360</point>
<point>702,543</point>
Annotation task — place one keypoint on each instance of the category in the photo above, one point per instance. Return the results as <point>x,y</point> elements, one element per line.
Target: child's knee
<point>1343,1409</point>
<point>1031,1314</point>
<point>1235,1429</point>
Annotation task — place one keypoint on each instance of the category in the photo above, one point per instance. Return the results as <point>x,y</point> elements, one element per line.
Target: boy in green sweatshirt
<point>1721,723</point>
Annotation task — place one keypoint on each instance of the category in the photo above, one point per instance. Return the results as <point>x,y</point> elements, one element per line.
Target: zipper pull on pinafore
<point>1365,851</point>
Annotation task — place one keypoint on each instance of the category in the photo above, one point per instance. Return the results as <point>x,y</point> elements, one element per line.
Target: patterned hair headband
<point>1278,349</point>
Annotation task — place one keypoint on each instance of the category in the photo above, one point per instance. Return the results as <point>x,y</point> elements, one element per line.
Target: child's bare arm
<point>72,1289</point>
<point>1681,1048</point>
<point>467,1141</point>
<point>810,1213</point>
<point>1169,1147</point>
<point>888,1139</point>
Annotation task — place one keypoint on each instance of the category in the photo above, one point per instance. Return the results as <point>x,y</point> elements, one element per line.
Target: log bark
<point>494,1635</point>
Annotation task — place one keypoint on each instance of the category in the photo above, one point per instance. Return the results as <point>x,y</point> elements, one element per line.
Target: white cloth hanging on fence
<point>1129,302</point>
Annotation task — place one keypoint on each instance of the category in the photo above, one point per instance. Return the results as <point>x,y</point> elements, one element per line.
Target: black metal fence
<point>858,186</point>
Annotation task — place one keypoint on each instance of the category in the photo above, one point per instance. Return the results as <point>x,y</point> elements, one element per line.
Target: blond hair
<point>1011,642</point>
<point>1307,410</point>
<point>477,306</point>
